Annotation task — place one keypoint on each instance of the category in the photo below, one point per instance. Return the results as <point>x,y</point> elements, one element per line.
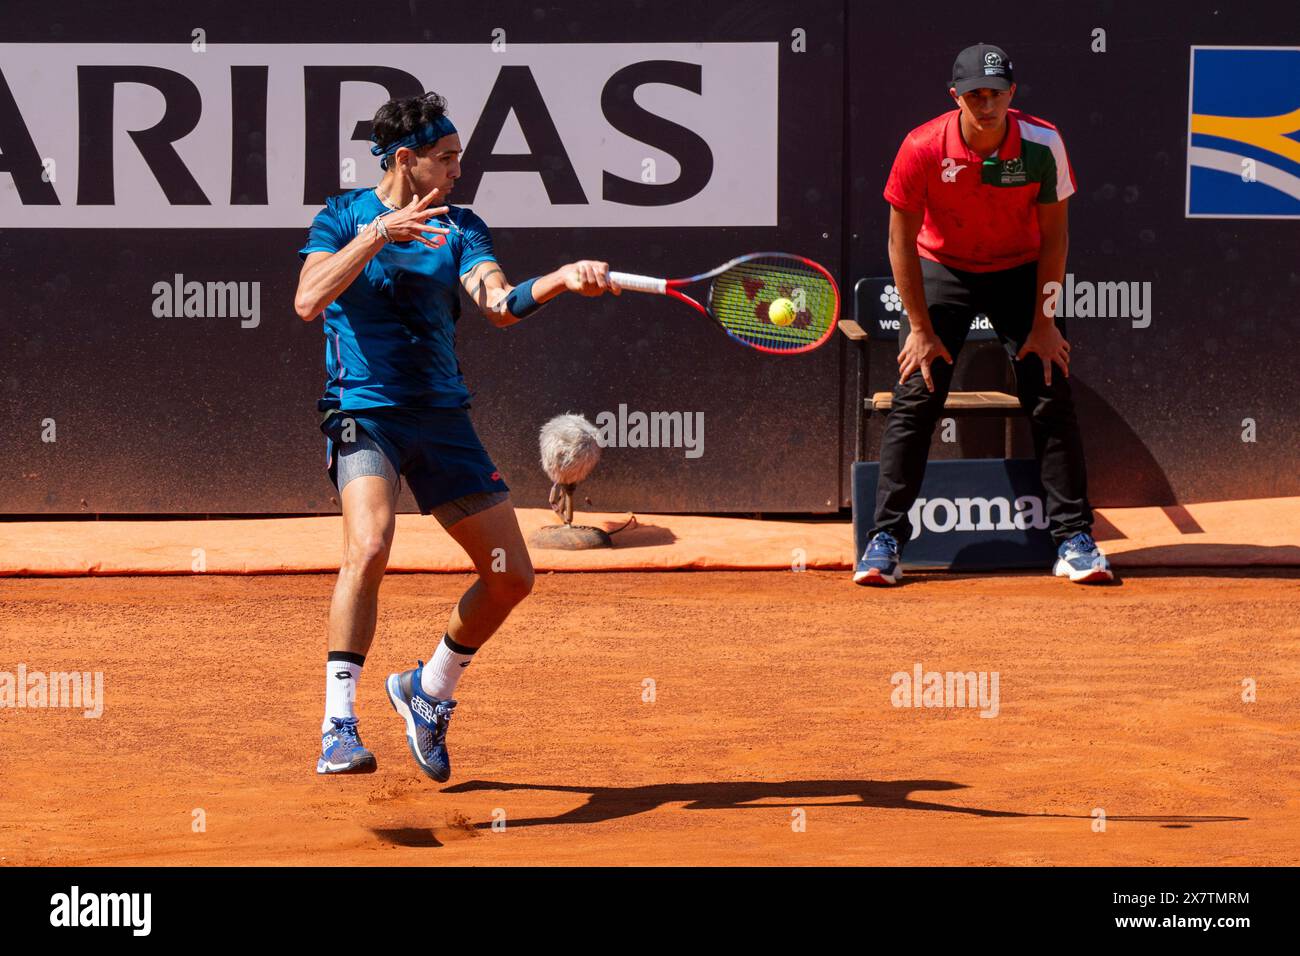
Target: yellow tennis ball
<point>781,312</point>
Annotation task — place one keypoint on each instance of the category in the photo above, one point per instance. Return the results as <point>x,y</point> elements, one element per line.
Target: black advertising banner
<point>160,171</point>
<point>970,515</point>
<point>159,166</point>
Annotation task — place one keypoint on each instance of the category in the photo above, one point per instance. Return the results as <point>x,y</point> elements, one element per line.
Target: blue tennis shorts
<point>435,449</point>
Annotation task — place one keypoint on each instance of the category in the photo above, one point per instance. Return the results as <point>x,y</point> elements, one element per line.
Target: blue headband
<point>431,133</point>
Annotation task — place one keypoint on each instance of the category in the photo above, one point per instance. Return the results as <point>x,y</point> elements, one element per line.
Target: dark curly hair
<point>403,116</point>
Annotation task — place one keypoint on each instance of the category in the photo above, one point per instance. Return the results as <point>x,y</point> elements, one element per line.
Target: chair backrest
<point>879,310</point>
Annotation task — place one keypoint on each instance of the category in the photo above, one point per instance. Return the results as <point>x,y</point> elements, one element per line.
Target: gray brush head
<point>570,448</point>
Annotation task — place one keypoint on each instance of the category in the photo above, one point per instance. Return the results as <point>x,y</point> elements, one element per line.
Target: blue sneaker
<point>341,749</point>
<point>1082,562</point>
<point>880,564</point>
<point>426,722</point>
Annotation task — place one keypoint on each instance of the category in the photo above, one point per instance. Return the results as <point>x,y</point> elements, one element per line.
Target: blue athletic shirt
<point>391,335</point>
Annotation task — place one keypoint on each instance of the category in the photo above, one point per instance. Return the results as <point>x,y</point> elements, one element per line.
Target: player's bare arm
<point>923,347</point>
<point>487,286</point>
<point>1046,340</point>
<point>325,275</point>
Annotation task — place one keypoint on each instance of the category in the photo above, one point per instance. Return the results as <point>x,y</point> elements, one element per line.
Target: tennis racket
<point>771,301</point>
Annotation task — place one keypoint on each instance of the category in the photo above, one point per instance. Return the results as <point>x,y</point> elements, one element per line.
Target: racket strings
<point>742,300</point>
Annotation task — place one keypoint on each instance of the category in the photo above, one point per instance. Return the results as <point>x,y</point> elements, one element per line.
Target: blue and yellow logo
<point>1243,146</point>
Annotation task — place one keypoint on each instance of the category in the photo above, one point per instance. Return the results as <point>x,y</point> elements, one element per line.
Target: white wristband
<point>381,228</point>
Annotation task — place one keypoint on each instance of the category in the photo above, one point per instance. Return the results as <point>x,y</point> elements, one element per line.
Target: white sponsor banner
<point>60,98</point>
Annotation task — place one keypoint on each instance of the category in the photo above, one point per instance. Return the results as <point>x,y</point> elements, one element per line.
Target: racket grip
<point>636,283</point>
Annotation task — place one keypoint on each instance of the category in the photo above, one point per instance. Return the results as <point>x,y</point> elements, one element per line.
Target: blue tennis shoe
<point>880,564</point>
<point>1082,562</point>
<point>426,722</point>
<point>341,749</point>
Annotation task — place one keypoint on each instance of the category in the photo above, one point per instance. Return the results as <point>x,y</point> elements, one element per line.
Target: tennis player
<point>383,265</point>
<point>978,224</point>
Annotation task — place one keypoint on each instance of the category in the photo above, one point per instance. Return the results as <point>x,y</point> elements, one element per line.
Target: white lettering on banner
<point>942,515</point>
<point>980,323</point>
<point>255,135</point>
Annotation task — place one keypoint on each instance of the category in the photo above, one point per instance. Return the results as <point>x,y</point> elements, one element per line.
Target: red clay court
<point>771,696</point>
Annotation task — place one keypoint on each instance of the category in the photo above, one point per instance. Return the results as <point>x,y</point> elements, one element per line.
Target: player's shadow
<point>612,803</point>
<point>1110,440</point>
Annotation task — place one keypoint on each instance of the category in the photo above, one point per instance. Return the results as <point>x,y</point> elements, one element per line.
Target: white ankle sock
<point>440,675</point>
<point>340,691</point>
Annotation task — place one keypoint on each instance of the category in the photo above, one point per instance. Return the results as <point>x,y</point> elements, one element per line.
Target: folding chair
<point>878,314</point>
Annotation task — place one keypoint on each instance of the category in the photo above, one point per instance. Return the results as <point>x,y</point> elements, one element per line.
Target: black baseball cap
<point>982,66</point>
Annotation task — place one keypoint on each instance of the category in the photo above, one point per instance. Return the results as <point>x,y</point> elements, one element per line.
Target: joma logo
<point>942,515</point>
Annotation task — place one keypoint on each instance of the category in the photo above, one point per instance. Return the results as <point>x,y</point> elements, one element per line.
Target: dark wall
<point>169,416</point>
<point>1162,407</point>
<point>173,416</point>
